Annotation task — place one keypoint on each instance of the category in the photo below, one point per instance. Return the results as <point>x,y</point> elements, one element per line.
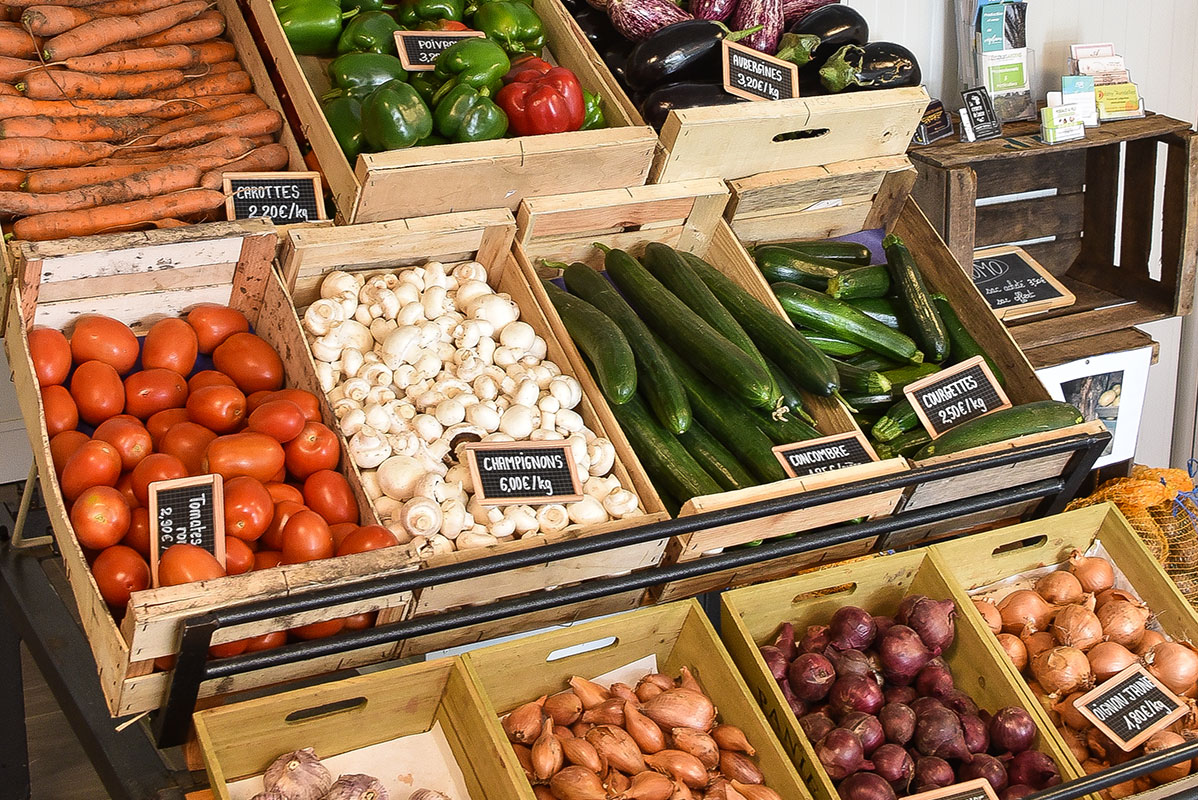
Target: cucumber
<point>880,308</point>
<point>777,339</point>
<point>859,380</point>
<point>792,399</point>
<point>897,420</point>
<point>868,360</point>
<point>860,283</point>
<point>665,459</point>
<point>830,345</point>
<point>601,341</point>
<point>962,345</point>
<point>1043,415</point>
<point>715,459</point>
<point>658,381</point>
<point>834,317</point>
<point>915,303</point>
<point>910,373</point>
<point>850,252</point>
<point>780,263</point>
<point>690,335</point>
<point>785,431</point>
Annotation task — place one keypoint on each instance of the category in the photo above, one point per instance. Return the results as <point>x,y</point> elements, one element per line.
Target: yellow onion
<point>1108,659</point>
<point>1036,642</point>
<point>576,783</point>
<point>1060,588</point>
<point>1015,650</point>
<point>1123,622</point>
<point>649,785</point>
<point>564,708</point>
<point>699,744</point>
<point>739,767</point>
<point>1149,640</point>
<point>1095,574</point>
<point>644,731</point>
<point>989,614</point>
<point>1173,664</point>
<point>680,766</point>
<point>1077,627</point>
<point>730,737</point>
<point>1046,702</point>
<point>1163,740</point>
<point>681,708</point>
<point>581,752</point>
<point>1109,595</point>
<point>1022,608</point>
<point>1075,743</point>
<point>1072,718</point>
<point>1090,766</point>
<point>525,722</point>
<point>617,747</point>
<point>1062,669</point>
<point>547,757</point>
<point>590,694</point>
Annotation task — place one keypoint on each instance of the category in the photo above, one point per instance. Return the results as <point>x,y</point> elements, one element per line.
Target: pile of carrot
<point>122,114</point>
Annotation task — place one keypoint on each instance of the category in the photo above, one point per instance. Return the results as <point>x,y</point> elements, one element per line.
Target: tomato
<point>63,446</point>
<point>255,399</point>
<point>124,485</point>
<point>51,354</point>
<point>218,408</point>
<point>328,493</point>
<point>248,508</point>
<point>250,362</point>
<point>100,517</point>
<point>119,572</point>
<point>61,412</point>
<point>318,630</point>
<point>307,402</point>
<point>239,557</point>
<point>129,437</point>
<point>227,649</point>
<point>184,563</point>
<point>208,377</point>
<point>306,537</point>
<point>265,559</point>
<point>95,463</point>
<point>340,530</point>
<point>266,641</point>
<point>158,424</point>
<point>253,454</point>
<point>170,344</point>
<point>214,323</point>
<point>138,535</point>
<point>316,448</point>
<point>272,539</point>
<point>187,442</point>
<point>366,538</point>
<point>155,467</point>
<point>279,476</point>
<point>153,390</point>
<point>98,391</point>
<point>284,491</point>
<point>99,338</point>
<point>357,622</point>
<point>279,419</point>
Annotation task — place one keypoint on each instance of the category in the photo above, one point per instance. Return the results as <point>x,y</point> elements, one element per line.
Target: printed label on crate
<point>754,75</point>
<point>186,511</point>
<point>979,789</point>
<point>533,473</point>
<point>1015,284</point>
<point>824,454</point>
<point>1131,706</point>
<point>954,395</point>
<point>285,197</point>
<point>419,49</point>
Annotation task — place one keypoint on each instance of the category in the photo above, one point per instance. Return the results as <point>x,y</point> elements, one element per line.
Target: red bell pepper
<point>548,101</point>
<point>526,61</point>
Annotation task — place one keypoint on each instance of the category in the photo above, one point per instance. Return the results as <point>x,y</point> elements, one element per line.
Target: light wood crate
<point>420,181</point>
<point>750,617</point>
<point>677,634</point>
<point>140,278</point>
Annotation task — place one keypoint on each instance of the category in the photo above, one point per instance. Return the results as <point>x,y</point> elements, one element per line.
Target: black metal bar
<point>1121,773</point>
<point>1079,466</point>
<point>14,746</point>
<point>171,726</point>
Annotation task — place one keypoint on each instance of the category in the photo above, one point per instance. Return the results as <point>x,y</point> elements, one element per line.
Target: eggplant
<point>877,65</point>
<point>767,14</point>
<point>794,10</point>
<point>835,25</point>
<point>596,27</point>
<point>716,10</point>
<point>657,104</point>
<point>637,19</point>
<point>684,51</point>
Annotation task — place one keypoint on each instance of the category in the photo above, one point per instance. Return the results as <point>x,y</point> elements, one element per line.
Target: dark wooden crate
<point>1113,284</point>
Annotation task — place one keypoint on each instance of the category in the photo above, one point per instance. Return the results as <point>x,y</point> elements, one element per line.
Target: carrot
<point>149,183</point>
<point>226,83</point>
<point>13,69</point>
<point>221,67</point>
<point>74,129</point>
<point>93,36</point>
<point>268,158</point>
<point>52,20</point>
<point>225,148</point>
<point>193,105</point>
<point>26,3</point>
<point>105,218</point>
<point>258,123</point>
<point>15,41</point>
<point>143,59</point>
<point>8,90</point>
<point>205,27</point>
<point>67,178</point>
<point>123,8</point>
<point>11,179</point>
<point>215,52</point>
<point>35,152</point>
<point>59,84</point>
<point>248,104</point>
<point>25,107</point>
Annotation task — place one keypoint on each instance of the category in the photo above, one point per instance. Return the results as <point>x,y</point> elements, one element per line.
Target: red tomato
<point>255,399</point>
<point>265,559</point>
<point>279,419</point>
<point>95,463</point>
<point>306,537</point>
<point>63,446</point>
<point>158,424</point>
<point>138,535</point>
<point>208,377</point>
<point>129,437</point>
<point>328,493</point>
<point>61,412</point>
<point>340,530</point>
<point>98,391</point>
<point>267,641</point>
<point>308,402</point>
<point>248,508</point>
<point>153,390</point>
<point>357,622</point>
<point>250,362</point>
<point>227,649</point>
<point>99,338</point>
<point>170,344</point>
<point>318,630</point>
<point>316,448</point>
<point>284,491</point>
<point>124,485</point>
<point>184,563</point>
<point>218,408</point>
<point>253,454</point>
<point>284,509</point>
<point>51,354</point>
<point>239,557</point>
<point>187,442</point>
<point>366,538</point>
<point>214,323</point>
<point>119,572</point>
<point>156,467</point>
<point>100,517</point>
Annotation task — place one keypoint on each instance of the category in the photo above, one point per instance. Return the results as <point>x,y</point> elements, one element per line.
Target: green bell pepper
<point>474,62</point>
<point>472,6</point>
<point>344,115</point>
<point>432,138</point>
<point>413,12</point>
<point>366,5</point>
<point>311,26</point>
<point>593,115</point>
<point>465,114</point>
<point>356,74</point>
<point>426,85</point>
<point>394,117</point>
<point>370,32</point>
<point>514,25</point>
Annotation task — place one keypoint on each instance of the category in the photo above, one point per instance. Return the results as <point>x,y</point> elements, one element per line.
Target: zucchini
<point>850,252</point>
<point>868,360</point>
<point>869,403</point>
<point>1008,423</point>
<point>880,308</point>
<point>962,345</point>
<point>785,431</point>
<point>600,340</point>
<point>860,283</point>
<point>915,304</point>
<point>903,445</point>
<point>658,381</point>
<point>897,420</point>
<point>715,459</point>
<point>834,317</point>
<point>830,345</point>
<point>690,335</point>
<point>792,398</point>
<point>900,377</point>
<point>781,263</point>
<point>665,459</point>
<point>778,339</point>
<point>859,380</point>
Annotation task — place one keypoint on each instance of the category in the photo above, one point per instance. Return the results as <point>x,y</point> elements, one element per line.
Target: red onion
<point>775,660</point>
<point>850,662</point>
<point>977,738</point>
<point>811,676</point>
<point>855,693</point>
<point>984,766</point>
<point>841,754</point>
<point>1012,730</point>
<point>904,610</point>
<point>816,725</point>
<point>785,641</point>
<point>797,706</point>
<point>934,680</point>
<point>868,729</point>
<point>903,654</point>
<point>851,628</point>
<point>815,640</point>
<point>920,705</point>
<point>900,694</point>
<point>865,786</point>
<point>898,722</point>
<point>960,702</point>
<point>894,765</point>
<point>933,621</point>
<point>938,733</point>
<point>932,772</point>
<point>1016,792</point>
<point>883,624</point>
<point>1033,768</point>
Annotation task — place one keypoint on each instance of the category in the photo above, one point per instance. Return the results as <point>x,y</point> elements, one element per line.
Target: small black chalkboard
<point>1131,706</point>
<point>935,125</point>
<point>824,454</point>
<point>978,119</point>
<point>285,197</point>
<point>418,50</point>
<point>754,75</point>
<point>962,392</point>
<point>187,511</point>
<point>979,789</point>
<point>1014,284</point>
<point>532,473</point>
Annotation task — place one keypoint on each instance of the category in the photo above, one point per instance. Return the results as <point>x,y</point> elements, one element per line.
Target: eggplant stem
<point>736,36</point>
<point>602,247</point>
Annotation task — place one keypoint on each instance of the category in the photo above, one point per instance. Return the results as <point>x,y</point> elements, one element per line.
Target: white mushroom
<point>518,421</point>
<point>475,538</point>
<point>587,511</point>
<point>323,316</point>
<point>378,300</point>
<point>327,375</point>
<point>380,394</point>
<point>526,394</point>
<point>368,448</point>
<point>469,271</point>
<point>402,346</point>
<point>483,415</point>
<point>387,508</point>
<point>454,518</point>
<point>569,421</point>
<point>517,336</point>
<point>501,527</point>
<point>353,420</point>
<point>350,333</point>
<point>379,328</point>
<point>431,486</point>
<point>600,487</point>
<point>567,390</point>
<point>376,415</point>
<point>399,416</point>
<point>621,503</point>
<point>341,285</point>
<point>470,291</point>
<point>440,545</point>
<point>410,314</point>
<point>459,475</point>
<point>553,518</point>
<point>427,427</point>
<point>542,435</point>
<point>421,516</point>
<point>498,309</point>
<point>522,517</point>
<point>601,454</point>
<point>398,476</point>
<point>355,389</point>
<point>352,361</point>
<point>370,484</point>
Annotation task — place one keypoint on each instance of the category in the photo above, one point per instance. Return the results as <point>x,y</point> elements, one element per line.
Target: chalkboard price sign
<point>1014,284</point>
<point>532,473</point>
<point>285,197</point>
<point>754,75</point>
<point>1131,706</point>
<point>965,391</point>
<point>979,789</point>
<point>187,511</point>
<point>418,50</point>
<point>824,454</point>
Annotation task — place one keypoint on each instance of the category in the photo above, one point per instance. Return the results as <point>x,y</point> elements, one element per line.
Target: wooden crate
<point>420,181</point>
<point>676,635</point>
<point>1073,228</point>
<point>308,254</point>
<point>240,740</point>
<point>750,617</point>
<point>140,278</point>
<point>990,557</point>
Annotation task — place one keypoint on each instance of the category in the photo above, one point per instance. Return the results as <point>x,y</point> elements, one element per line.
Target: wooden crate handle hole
<point>830,591</point>
<point>790,136</point>
<point>327,710</point>
<point>1029,543</point>
<point>563,653</point>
